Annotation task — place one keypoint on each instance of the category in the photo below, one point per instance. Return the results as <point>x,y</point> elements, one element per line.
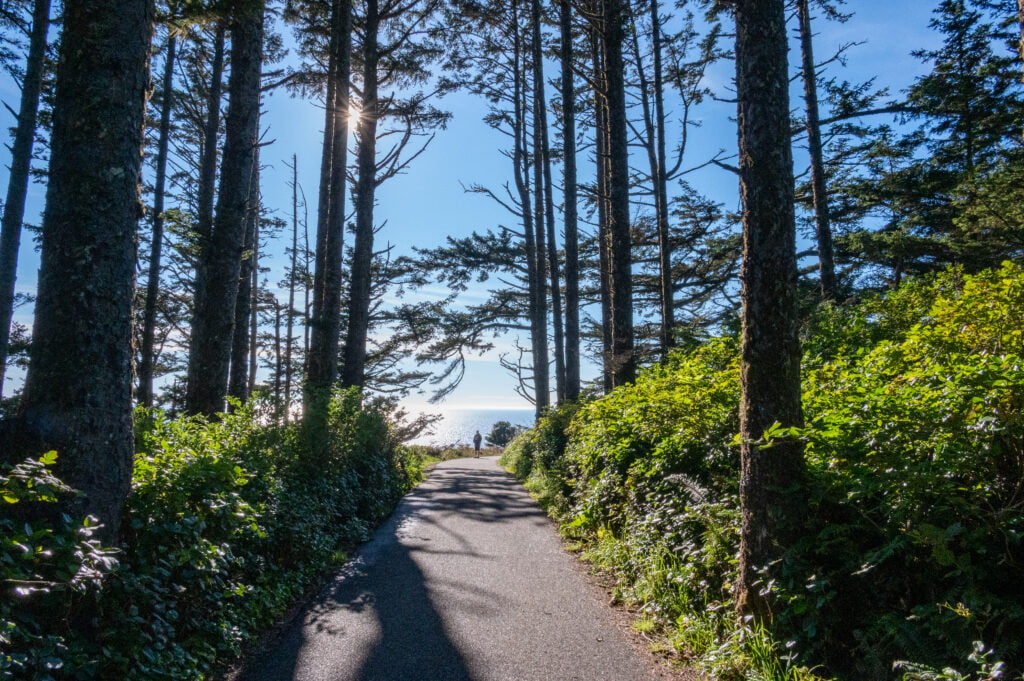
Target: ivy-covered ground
<point>911,562</point>
<point>226,525</point>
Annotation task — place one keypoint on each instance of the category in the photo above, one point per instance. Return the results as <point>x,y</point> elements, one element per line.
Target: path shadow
<point>398,634</point>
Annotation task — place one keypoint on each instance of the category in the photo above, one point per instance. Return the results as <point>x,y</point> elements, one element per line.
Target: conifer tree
<point>221,257</point>
<point>771,478</point>
<point>17,183</point>
<point>77,397</point>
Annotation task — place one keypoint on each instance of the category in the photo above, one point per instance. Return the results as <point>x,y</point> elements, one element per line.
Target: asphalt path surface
<point>466,582</point>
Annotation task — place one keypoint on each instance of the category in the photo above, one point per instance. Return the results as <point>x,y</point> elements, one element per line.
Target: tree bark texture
<point>289,360</point>
<point>17,183</point>
<point>254,297</point>
<point>543,152</point>
<point>213,322</point>
<point>354,354</point>
<point>601,164</point>
<point>823,230</point>
<point>78,392</point>
<point>208,163</point>
<point>146,355</point>
<point>322,363</point>
<point>238,379</point>
<point>570,211</point>
<point>770,483</point>
<point>521,161</point>
<point>660,179</point>
<point>617,169</point>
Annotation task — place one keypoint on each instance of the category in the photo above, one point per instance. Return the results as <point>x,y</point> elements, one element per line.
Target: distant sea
<point>458,425</point>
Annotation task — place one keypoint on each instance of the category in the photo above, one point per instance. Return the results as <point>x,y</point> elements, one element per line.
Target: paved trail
<point>466,582</point>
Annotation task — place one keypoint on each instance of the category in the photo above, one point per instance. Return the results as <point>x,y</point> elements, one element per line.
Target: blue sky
<point>428,203</point>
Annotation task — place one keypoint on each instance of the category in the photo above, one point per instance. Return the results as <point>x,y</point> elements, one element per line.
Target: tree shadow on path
<point>376,620</point>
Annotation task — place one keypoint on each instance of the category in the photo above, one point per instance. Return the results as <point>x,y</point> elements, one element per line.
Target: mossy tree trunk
<point>572,272</point>
<point>353,369</point>
<point>770,483</point>
<point>214,318</point>
<point>623,361</point>
<point>78,392</point>
<point>322,363</point>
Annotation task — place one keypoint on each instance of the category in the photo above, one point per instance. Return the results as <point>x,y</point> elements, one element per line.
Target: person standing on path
<point>476,444</point>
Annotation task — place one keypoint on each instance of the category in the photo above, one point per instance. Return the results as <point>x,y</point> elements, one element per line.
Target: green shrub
<point>227,523</point>
<point>48,571</point>
<point>914,402</point>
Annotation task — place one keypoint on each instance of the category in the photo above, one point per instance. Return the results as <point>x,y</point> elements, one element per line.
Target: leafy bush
<point>915,446</point>
<point>227,523</point>
<point>501,434</point>
<point>48,570</point>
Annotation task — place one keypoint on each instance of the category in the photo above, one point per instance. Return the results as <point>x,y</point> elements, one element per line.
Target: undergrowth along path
<point>466,582</point>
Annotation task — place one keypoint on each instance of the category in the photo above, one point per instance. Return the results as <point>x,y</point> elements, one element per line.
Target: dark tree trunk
<point>572,273</point>
<point>535,280</point>
<point>770,482</point>
<point>254,297</point>
<point>540,313</point>
<point>78,392</point>
<point>543,153</point>
<point>326,161</point>
<point>208,162</point>
<point>293,272</point>
<point>210,352</point>
<point>146,356</point>
<point>823,230</point>
<point>617,171</point>
<point>322,363</point>
<point>353,371</point>
<point>17,183</point>
<point>601,164</point>
<point>660,179</point>
<point>654,145</point>
<point>277,356</point>
<point>238,380</point>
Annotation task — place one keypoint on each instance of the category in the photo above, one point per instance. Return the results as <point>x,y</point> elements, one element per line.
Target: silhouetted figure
<point>476,444</point>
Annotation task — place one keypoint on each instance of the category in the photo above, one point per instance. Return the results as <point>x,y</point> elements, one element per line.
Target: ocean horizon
<point>458,425</point>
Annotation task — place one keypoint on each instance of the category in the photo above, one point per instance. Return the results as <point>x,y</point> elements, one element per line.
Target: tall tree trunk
<point>617,171</point>
<point>353,372</point>
<point>254,297</point>
<point>238,380</point>
<point>668,316</point>
<point>208,161</point>
<point>17,183</point>
<point>277,357</point>
<point>540,241</point>
<point>324,351</point>
<point>326,158</point>
<point>827,267</point>
<point>78,392</point>
<point>322,361</point>
<point>210,352</point>
<point>654,146</point>
<point>288,359</point>
<point>770,482</point>
<point>521,163</point>
<point>572,273</point>
<point>146,356</point>
<point>543,152</point>
<point>601,165</point>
